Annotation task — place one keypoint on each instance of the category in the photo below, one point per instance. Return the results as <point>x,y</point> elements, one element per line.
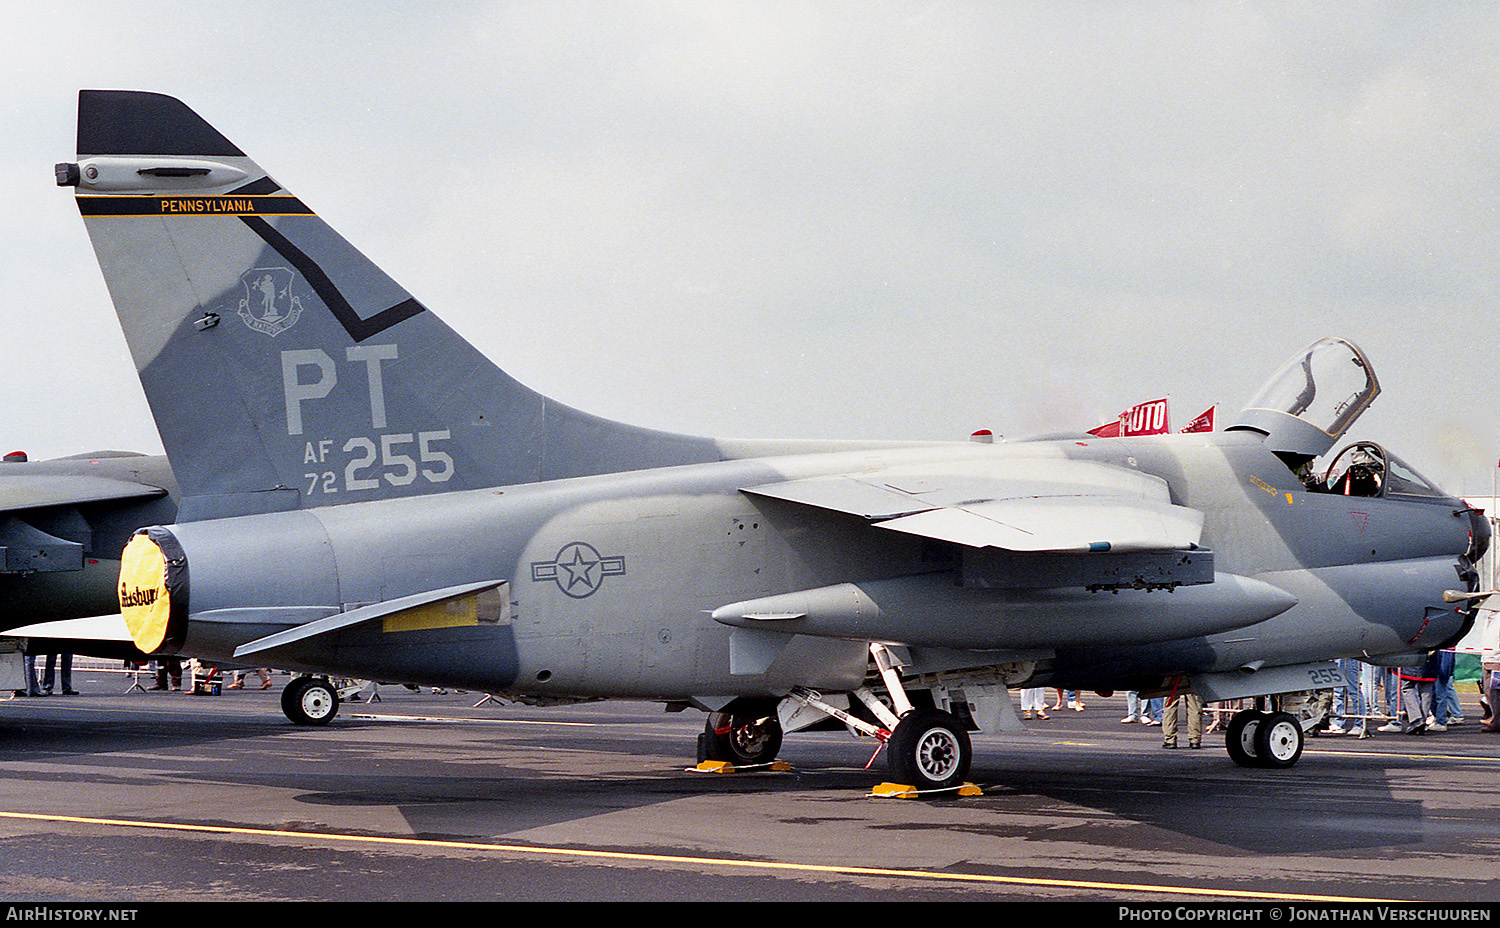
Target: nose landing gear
<point>1264,739</point>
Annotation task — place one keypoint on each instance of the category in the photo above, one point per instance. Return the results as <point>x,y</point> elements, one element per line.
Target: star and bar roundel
<point>578,570</point>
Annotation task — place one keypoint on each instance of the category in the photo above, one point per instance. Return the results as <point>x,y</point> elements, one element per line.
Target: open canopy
<point>1313,399</point>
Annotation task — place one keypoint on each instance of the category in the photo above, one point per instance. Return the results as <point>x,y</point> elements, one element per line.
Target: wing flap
<point>1030,506</point>
<point>1072,524</point>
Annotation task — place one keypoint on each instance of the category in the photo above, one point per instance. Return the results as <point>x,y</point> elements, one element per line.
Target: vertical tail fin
<point>283,368</point>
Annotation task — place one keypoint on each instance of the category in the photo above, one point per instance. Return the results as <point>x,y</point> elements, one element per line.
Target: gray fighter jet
<point>364,494</point>
<point>63,524</point>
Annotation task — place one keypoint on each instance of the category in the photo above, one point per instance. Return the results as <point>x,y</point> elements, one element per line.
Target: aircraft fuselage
<point>610,581</point>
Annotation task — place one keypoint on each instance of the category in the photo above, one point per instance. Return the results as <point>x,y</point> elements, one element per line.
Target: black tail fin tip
<point>132,122</point>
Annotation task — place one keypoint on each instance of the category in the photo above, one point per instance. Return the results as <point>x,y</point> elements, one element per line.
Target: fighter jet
<point>364,494</point>
<point>63,524</point>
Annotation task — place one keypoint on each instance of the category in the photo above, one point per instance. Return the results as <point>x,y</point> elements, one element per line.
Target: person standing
<point>168,667</point>
<point>1034,699</point>
<point>49,674</point>
<point>1194,705</point>
<point>1416,695</point>
<point>239,678</point>
<point>1489,673</point>
<point>28,664</point>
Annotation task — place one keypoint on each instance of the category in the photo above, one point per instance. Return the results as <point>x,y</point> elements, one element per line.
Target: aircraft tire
<point>288,696</point>
<point>310,701</point>
<point>929,749</point>
<point>1279,740</point>
<point>742,739</point>
<point>1240,735</point>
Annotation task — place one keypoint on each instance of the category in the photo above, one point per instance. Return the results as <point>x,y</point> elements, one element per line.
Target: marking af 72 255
<point>364,494</point>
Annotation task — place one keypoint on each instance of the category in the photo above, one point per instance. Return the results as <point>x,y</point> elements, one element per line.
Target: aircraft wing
<point>34,491</point>
<point>25,548</point>
<point>1055,506</point>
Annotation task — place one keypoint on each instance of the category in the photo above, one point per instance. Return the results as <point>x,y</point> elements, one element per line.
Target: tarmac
<point>120,795</point>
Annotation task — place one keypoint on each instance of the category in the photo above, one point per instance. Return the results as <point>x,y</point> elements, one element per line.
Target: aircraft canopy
<point>1313,399</point>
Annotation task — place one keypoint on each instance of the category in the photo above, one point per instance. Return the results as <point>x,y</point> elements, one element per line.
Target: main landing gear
<point>745,734</point>
<point>929,749</point>
<point>926,749</point>
<point>310,701</point>
<point>1255,738</point>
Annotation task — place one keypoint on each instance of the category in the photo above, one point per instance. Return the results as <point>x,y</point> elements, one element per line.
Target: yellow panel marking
<point>450,613</point>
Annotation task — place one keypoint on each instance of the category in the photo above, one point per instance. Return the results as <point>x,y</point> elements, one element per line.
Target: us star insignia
<point>578,570</point>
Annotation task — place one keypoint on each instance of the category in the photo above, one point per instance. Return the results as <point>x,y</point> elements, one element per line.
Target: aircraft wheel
<point>929,749</point>
<point>1279,740</point>
<point>742,739</point>
<point>310,701</point>
<point>1239,737</point>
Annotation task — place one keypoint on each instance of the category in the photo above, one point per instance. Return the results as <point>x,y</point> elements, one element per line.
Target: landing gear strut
<point>926,749</point>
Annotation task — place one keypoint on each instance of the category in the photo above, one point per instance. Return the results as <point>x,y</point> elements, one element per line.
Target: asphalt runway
<point>150,797</point>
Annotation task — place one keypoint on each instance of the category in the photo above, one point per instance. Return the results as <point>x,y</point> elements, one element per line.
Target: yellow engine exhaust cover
<point>145,592</point>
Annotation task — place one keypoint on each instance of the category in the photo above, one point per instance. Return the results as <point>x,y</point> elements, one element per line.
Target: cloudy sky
<point>804,219</point>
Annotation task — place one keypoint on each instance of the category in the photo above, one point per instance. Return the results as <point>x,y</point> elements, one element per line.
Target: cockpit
<point>1308,405</point>
<point>1305,409</point>
<point>1367,469</point>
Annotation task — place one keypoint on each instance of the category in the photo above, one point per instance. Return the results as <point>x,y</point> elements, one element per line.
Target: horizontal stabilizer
<point>25,548</point>
<point>361,615</point>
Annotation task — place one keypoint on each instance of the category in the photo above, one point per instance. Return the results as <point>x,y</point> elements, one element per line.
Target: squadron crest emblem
<point>268,304</point>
